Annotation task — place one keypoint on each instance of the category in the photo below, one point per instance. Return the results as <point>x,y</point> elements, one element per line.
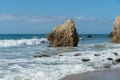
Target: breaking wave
<point>10,43</point>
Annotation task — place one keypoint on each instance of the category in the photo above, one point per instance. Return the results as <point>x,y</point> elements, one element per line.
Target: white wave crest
<point>10,43</point>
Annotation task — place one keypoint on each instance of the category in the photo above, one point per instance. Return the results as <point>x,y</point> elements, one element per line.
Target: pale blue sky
<point>40,16</point>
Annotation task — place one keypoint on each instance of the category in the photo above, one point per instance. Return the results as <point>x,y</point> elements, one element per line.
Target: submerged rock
<point>117,60</point>
<point>64,35</point>
<point>78,54</point>
<point>85,60</point>
<point>96,54</point>
<point>110,59</point>
<point>89,36</point>
<point>60,55</point>
<point>40,56</point>
<point>115,53</point>
<point>116,31</point>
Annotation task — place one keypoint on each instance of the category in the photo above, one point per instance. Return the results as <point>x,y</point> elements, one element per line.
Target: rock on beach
<point>63,35</point>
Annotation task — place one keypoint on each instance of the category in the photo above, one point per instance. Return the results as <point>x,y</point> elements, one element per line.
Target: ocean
<point>17,61</point>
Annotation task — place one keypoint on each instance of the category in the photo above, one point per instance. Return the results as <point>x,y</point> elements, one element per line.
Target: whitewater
<point>11,43</point>
<point>17,61</point>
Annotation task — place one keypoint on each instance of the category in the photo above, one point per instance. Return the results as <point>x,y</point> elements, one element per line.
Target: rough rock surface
<point>116,30</point>
<point>64,35</point>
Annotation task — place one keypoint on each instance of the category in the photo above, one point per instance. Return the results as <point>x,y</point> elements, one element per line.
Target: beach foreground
<point>108,74</point>
<point>27,57</point>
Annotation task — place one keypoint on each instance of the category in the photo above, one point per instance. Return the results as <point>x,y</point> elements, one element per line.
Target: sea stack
<point>63,35</point>
<point>116,31</point>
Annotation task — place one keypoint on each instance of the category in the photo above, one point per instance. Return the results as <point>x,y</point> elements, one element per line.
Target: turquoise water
<point>17,61</point>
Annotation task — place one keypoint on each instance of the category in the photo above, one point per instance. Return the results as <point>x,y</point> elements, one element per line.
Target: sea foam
<point>56,67</point>
<point>19,63</point>
<point>10,43</point>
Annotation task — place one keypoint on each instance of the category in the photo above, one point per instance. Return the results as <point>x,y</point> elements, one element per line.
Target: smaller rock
<point>60,55</point>
<point>85,60</point>
<point>109,59</point>
<point>40,56</point>
<point>89,36</point>
<point>96,54</point>
<point>115,53</point>
<point>78,54</point>
<point>37,56</point>
<point>42,41</point>
<point>45,55</point>
<point>117,60</point>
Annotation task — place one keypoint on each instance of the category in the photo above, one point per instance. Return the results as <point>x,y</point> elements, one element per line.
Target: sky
<point>41,16</point>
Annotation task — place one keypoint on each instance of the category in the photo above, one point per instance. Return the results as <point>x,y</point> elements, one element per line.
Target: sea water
<point>17,61</point>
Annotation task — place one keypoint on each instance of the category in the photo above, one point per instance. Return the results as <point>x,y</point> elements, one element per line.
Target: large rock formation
<point>64,35</point>
<point>116,30</point>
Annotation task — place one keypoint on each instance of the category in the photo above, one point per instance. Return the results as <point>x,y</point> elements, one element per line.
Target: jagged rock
<point>63,35</point>
<point>116,31</point>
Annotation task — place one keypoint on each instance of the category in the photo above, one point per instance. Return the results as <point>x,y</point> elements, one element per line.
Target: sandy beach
<point>107,74</point>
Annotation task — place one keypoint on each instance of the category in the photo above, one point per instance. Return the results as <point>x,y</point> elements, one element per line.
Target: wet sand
<point>107,74</point>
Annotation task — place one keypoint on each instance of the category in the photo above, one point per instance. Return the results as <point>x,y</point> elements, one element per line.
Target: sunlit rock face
<point>63,35</point>
<point>116,30</point>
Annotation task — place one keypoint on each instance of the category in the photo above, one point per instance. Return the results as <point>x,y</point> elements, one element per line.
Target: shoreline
<point>105,74</point>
